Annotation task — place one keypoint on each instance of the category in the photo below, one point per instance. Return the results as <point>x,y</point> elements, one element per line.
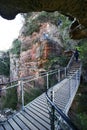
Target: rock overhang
<point>76,9</point>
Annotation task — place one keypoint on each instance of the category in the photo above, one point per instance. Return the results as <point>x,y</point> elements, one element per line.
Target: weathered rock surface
<point>14,67</point>
<point>39,49</point>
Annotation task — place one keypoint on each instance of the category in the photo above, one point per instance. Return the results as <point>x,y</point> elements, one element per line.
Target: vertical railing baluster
<point>69,89</point>
<point>47,81</point>
<point>52,112</point>
<point>22,94</point>
<point>79,74</point>
<point>65,72</point>
<point>76,79</point>
<point>58,75</point>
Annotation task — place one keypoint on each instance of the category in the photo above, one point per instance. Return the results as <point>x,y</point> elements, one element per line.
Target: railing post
<point>47,81</point>
<point>65,72</point>
<point>52,112</point>
<point>22,94</point>
<point>58,75</point>
<point>52,96</point>
<point>69,89</point>
<point>71,86</point>
<point>76,79</point>
<point>79,75</point>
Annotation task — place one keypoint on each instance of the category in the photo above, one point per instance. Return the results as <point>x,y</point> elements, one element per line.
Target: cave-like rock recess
<point>75,8</point>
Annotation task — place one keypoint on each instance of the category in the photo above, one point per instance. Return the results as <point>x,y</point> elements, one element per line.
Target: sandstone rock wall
<point>14,67</point>
<point>38,49</point>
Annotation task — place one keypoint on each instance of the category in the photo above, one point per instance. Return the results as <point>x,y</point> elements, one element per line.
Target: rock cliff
<point>38,46</point>
<point>14,67</point>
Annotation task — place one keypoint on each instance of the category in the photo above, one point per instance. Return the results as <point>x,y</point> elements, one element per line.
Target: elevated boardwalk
<point>35,115</point>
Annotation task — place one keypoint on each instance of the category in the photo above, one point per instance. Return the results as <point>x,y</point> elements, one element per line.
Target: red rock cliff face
<point>38,48</point>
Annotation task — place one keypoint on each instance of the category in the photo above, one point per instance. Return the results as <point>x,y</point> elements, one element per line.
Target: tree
<point>16,47</point>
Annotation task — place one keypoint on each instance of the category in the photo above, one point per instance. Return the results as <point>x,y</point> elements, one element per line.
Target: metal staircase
<point>61,98</point>
<point>48,111</point>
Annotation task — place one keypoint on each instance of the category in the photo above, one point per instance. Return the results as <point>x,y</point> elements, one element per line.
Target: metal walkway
<point>35,115</point>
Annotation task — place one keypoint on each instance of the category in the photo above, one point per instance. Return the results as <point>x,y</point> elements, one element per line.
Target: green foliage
<point>53,79</point>
<point>64,31</point>
<point>60,60</point>
<point>82,106</point>
<point>33,21</point>
<point>65,21</point>
<point>63,60</point>
<point>10,100</point>
<point>82,98</point>
<point>83,120</point>
<point>82,103</point>
<point>48,17</point>
<point>5,66</point>
<point>29,96</point>
<point>83,52</point>
<point>50,63</point>
<point>16,47</point>
<point>31,27</point>
<point>32,24</point>
<point>53,18</point>
<point>79,108</point>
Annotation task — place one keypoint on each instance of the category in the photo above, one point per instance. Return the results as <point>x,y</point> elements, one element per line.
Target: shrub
<point>83,52</point>
<point>82,117</point>
<point>60,60</point>
<point>5,66</point>
<point>10,100</point>
<point>29,96</point>
<point>63,60</point>
<point>31,27</point>
<point>16,47</point>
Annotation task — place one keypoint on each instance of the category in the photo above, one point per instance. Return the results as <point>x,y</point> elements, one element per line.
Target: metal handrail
<point>54,107</point>
<point>21,82</point>
<point>45,74</point>
<point>59,111</point>
<point>9,87</point>
<point>32,78</point>
<point>70,62</point>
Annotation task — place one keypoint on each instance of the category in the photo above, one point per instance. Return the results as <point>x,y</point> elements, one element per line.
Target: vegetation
<point>83,52</point>
<point>29,96</point>
<point>83,120</point>
<point>79,108</point>
<point>32,25</point>
<point>16,47</point>
<point>78,111</point>
<point>10,100</point>
<point>61,61</point>
<point>33,21</point>
<point>30,28</point>
<point>48,17</point>
<point>5,64</point>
